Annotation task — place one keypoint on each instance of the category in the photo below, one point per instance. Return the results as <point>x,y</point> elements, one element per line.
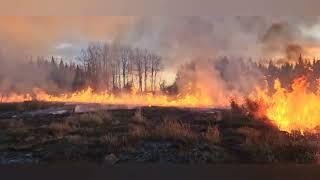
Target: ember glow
<point>295,109</point>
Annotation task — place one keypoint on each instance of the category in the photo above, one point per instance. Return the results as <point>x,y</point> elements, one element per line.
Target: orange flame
<point>133,98</point>
<point>13,97</point>
<point>296,109</point>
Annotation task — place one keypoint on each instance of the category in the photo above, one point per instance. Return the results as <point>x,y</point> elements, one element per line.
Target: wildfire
<point>291,109</point>
<point>15,98</point>
<point>295,109</point>
<point>134,98</point>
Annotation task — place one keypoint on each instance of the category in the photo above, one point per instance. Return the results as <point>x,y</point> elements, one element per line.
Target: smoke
<point>179,40</point>
<point>182,39</point>
<point>294,51</point>
<point>220,79</point>
<point>285,38</point>
<point>25,39</point>
<point>200,77</point>
<point>194,40</point>
<point>21,77</point>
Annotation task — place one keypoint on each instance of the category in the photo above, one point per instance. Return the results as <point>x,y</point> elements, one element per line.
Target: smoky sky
<point>177,38</point>
<point>184,38</point>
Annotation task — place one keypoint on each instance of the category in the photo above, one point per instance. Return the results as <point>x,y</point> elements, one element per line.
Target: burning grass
<point>295,108</point>
<point>190,99</point>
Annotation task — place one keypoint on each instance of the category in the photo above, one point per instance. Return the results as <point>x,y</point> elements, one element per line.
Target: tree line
<point>287,72</point>
<point>119,68</point>
<point>107,66</point>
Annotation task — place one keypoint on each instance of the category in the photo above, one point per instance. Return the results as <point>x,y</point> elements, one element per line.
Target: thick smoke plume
<point>221,78</point>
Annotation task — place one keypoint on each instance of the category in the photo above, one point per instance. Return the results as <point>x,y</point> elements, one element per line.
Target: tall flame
<point>295,109</point>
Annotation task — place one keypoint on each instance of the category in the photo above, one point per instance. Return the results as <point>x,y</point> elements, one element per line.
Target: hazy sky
<point>179,30</point>
<point>178,39</point>
<point>59,36</point>
<point>65,36</point>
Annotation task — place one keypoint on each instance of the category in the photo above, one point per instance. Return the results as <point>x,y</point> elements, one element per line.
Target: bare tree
<point>157,68</point>
<point>106,59</point>
<point>115,66</point>
<point>124,62</point>
<point>131,66</point>
<point>152,71</point>
<point>146,58</point>
<point>139,68</point>
<point>119,64</point>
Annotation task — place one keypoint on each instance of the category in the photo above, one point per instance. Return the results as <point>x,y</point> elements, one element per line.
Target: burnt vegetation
<point>151,134</point>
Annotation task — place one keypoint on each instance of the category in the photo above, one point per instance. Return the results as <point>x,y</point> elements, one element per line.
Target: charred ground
<point>40,132</point>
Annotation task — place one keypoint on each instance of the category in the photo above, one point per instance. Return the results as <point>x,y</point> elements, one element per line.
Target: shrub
<point>138,116</point>
<point>139,131</point>
<point>171,129</point>
<point>11,124</point>
<point>88,119</point>
<point>252,135</point>
<point>91,118</point>
<point>213,134</point>
<point>60,128</point>
<point>113,140</point>
<point>75,139</point>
